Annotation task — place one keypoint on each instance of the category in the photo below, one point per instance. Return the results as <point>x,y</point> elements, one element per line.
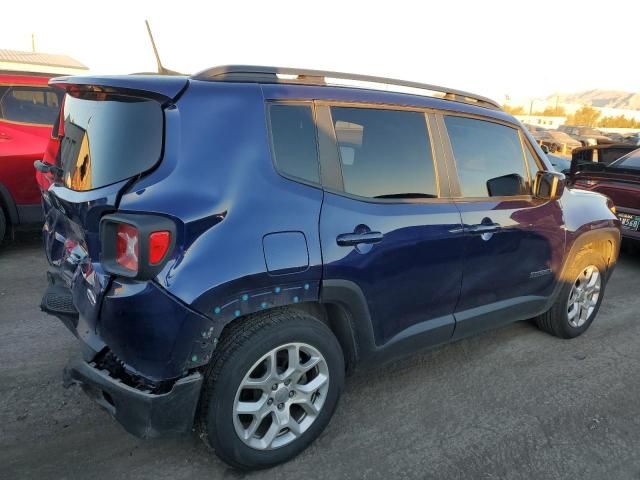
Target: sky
<point>494,48</point>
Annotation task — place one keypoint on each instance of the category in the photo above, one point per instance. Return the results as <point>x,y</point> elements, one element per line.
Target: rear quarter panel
<point>218,179</point>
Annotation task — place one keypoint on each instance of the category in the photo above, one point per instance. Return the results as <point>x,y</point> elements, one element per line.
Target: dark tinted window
<point>108,140</point>
<point>489,158</point>
<point>531,163</point>
<point>631,160</point>
<point>294,141</point>
<point>384,153</point>
<point>34,105</point>
<point>609,155</point>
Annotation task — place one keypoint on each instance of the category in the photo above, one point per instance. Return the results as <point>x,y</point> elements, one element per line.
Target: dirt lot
<point>514,403</point>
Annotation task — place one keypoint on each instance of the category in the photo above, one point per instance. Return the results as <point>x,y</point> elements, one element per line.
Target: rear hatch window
<point>107,138</point>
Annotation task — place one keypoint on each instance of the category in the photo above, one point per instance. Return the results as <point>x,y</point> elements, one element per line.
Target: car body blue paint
<point>285,252</point>
<point>241,228</point>
<point>412,276</point>
<point>498,266</point>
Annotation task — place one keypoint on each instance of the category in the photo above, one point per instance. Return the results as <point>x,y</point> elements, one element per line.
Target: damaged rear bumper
<point>143,414</point>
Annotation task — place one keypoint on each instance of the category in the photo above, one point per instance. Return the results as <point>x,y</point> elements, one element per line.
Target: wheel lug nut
<point>287,382</point>
<point>274,386</point>
<point>280,406</point>
<point>291,393</point>
<point>270,401</point>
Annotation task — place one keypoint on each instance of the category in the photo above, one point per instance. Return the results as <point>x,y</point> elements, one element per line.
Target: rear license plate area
<point>629,222</point>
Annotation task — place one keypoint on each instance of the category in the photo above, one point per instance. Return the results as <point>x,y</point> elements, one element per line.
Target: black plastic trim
<point>143,414</point>
<point>264,74</point>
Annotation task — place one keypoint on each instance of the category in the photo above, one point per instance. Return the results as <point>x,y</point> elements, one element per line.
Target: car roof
<point>308,85</point>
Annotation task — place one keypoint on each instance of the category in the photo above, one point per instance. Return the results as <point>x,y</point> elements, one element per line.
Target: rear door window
<point>108,138</point>
<point>384,153</point>
<point>489,158</point>
<point>30,105</point>
<point>293,135</point>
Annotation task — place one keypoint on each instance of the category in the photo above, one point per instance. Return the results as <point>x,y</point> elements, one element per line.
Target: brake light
<point>585,183</point>
<point>127,248</point>
<point>136,245</point>
<point>158,246</point>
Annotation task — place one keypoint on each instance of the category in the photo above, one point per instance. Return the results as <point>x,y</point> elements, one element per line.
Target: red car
<point>620,181</point>
<point>28,108</point>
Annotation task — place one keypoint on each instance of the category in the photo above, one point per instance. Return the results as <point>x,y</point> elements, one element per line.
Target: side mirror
<point>549,185</point>
<point>507,185</point>
<point>545,149</point>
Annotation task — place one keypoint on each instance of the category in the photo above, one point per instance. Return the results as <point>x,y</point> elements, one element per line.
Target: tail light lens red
<point>584,183</point>
<point>134,245</point>
<point>158,246</point>
<point>127,246</point>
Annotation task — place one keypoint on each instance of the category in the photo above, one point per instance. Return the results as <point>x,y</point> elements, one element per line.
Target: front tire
<point>580,297</point>
<point>271,388</point>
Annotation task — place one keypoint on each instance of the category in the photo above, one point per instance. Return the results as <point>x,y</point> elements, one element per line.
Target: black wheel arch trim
<point>592,237</point>
<point>350,297</point>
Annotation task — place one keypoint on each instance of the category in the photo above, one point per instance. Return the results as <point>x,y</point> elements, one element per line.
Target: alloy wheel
<point>584,296</point>
<point>281,396</point>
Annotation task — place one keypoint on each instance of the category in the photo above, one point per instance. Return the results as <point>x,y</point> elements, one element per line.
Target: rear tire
<point>257,368</point>
<point>580,297</point>
<point>3,225</point>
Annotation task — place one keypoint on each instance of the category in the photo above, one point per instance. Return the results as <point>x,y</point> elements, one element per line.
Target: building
<point>46,63</point>
<point>542,121</point>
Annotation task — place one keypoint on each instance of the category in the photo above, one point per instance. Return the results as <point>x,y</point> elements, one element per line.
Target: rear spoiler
<point>161,88</point>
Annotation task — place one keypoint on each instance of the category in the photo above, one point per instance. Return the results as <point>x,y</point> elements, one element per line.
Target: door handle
<point>484,228</point>
<point>352,239</point>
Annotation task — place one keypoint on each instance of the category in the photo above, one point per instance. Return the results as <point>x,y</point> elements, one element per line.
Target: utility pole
<point>33,42</point>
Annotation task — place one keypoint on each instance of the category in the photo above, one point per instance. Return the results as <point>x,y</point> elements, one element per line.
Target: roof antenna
<point>161,69</point>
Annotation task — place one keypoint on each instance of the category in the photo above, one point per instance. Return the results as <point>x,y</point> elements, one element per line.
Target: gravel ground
<point>512,403</point>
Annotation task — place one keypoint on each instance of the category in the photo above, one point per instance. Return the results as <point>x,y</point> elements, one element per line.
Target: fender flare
<point>607,240</point>
<point>348,296</point>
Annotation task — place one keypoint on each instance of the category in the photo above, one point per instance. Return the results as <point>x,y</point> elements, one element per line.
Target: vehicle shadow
<point>23,237</point>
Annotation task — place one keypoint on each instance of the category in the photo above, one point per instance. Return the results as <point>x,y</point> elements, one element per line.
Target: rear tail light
<point>136,246</point>
<point>127,249</point>
<point>585,183</point>
<point>158,246</point>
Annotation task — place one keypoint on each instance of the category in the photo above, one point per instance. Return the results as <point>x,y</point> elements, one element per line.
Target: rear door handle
<point>352,239</point>
<point>484,228</point>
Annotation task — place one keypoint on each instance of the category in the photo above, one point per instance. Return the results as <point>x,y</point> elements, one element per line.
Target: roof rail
<point>259,74</point>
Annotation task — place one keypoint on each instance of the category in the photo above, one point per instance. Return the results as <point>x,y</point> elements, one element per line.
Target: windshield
<point>108,138</point>
<point>29,105</point>
<point>630,160</point>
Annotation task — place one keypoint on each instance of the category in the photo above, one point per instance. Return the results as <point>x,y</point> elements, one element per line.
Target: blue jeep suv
<point>227,246</point>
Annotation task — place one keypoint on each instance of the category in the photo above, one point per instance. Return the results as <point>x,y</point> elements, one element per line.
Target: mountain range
<point>601,99</point>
